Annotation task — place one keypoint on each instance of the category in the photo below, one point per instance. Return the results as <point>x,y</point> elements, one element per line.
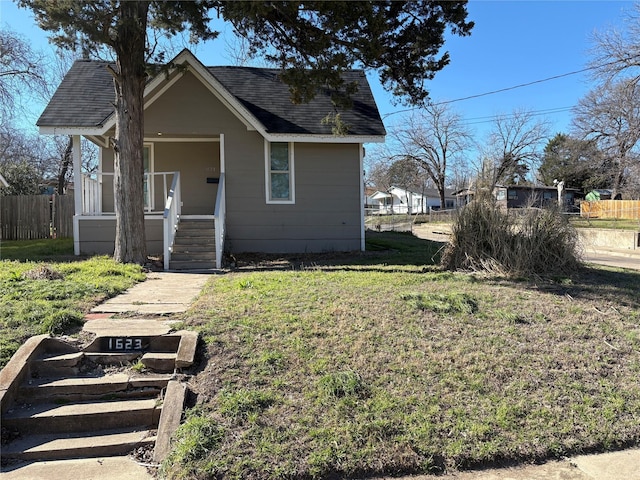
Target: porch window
<point>279,168</point>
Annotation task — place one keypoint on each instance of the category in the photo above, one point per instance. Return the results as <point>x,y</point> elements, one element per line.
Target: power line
<point>521,85</point>
<point>491,118</point>
<point>493,92</point>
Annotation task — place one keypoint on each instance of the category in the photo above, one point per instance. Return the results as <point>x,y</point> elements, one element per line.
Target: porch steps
<point>60,402</point>
<point>194,246</point>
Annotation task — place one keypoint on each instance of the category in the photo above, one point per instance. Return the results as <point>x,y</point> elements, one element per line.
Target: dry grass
<point>529,242</point>
<point>388,368</point>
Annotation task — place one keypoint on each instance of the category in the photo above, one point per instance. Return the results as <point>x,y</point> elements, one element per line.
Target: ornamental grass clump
<point>527,242</point>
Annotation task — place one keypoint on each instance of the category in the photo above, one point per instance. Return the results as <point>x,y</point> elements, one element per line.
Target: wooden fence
<point>628,209</point>
<point>28,217</point>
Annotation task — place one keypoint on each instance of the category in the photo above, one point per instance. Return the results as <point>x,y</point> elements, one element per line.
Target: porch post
<point>77,192</point>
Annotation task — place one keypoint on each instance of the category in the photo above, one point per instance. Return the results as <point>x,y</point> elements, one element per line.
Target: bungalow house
<point>398,200</point>
<point>225,149</point>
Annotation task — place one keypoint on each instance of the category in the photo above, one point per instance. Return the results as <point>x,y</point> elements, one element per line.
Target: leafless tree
<point>436,139</point>
<point>615,53</point>
<point>20,68</point>
<point>610,115</point>
<point>513,148</point>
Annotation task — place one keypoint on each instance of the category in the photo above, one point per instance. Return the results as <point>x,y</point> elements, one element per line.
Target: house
<point>521,196</point>
<point>398,200</point>
<point>224,146</point>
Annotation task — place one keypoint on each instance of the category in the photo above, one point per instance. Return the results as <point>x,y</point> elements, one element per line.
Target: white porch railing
<point>220,213</point>
<point>92,184</point>
<point>171,217</point>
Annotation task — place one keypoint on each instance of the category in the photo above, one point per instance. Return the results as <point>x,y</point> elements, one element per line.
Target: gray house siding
<point>326,213</point>
<point>98,235</point>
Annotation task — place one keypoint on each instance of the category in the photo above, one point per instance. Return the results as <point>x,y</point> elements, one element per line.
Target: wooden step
<point>92,416</point>
<point>191,265</point>
<point>77,445</point>
<point>194,256</point>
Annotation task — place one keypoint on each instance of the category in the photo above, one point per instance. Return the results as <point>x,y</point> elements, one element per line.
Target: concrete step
<point>91,416</point>
<point>79,389</point>
<point>77,445</point>
<point>160,361</point>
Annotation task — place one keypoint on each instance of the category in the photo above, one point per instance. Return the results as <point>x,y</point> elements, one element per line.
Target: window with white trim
<point>279,172</point>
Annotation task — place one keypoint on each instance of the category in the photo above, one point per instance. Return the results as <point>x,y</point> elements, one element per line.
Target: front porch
<point>166,210</point>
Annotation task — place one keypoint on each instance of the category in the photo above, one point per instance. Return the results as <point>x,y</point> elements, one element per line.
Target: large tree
<point>313,42</point>
<point>579,163</point>
<point>435,138</point>
<point>610,116</point>
<point>514,146</point>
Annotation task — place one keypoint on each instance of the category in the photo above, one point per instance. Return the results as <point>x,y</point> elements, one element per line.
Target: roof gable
<point>84,101</point>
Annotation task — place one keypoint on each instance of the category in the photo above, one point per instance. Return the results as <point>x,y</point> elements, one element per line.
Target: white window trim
<point>267,175</point>
<point>150,207</point>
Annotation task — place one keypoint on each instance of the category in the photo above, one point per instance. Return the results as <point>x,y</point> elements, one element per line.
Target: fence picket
<point>29,217</point>
<point>627,209</point>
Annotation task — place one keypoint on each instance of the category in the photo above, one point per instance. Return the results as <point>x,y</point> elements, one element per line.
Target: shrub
<point>527,243</point>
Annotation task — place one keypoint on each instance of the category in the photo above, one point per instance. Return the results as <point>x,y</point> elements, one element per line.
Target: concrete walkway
<point>623,465</point>
<point>162,293</point>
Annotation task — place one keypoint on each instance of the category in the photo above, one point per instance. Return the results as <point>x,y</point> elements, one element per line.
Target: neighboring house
<point>522,196</point>
<point>398,200</point>
<point>225,145</point>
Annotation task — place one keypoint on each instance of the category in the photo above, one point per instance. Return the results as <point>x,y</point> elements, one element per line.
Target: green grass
<point>38,297</point>
<point>613,223</point>
<point>45,249</point>
<point>374,365</point>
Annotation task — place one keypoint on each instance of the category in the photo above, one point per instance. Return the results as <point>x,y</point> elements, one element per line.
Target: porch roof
<point>84,101</point>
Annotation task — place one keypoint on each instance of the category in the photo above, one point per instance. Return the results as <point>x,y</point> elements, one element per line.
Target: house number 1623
<point>125,344</point>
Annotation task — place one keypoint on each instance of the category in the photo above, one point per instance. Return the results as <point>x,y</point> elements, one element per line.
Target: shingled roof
<point>85,99</point>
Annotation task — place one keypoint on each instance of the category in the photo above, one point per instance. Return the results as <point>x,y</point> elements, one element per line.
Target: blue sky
<point>513,42</point>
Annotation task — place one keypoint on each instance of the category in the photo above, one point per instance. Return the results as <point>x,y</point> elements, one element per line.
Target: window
<point>512,194</point>
<point>279,167</point>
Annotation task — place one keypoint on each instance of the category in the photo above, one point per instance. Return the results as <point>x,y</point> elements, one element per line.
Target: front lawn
<point>53,297</point>
<point>375,366</point>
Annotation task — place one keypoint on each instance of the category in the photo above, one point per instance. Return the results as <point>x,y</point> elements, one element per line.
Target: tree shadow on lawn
<point>402,251</point>
<point>383,250</point>
<point>605,284</point>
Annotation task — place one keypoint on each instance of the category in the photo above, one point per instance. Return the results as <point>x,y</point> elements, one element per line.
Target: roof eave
<point>67,130</point>
<point>315,138</point>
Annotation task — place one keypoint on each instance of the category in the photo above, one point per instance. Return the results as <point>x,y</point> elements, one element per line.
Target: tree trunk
<point>129,80</point>
<point>67,161</point>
